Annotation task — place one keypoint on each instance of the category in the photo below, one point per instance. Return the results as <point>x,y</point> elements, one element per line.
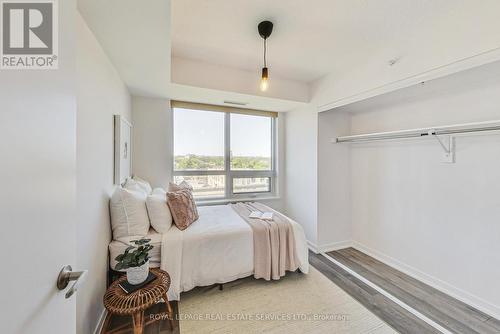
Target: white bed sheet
<point>217,248</point>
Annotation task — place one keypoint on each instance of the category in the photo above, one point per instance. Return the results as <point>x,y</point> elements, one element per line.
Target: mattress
<point>117,247</point>
<point>217,248</point>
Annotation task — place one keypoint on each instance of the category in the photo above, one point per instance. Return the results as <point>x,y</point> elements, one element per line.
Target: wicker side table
<point>134,304</point>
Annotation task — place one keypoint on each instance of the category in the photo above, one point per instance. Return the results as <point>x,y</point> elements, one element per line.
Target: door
<point>37,192</point>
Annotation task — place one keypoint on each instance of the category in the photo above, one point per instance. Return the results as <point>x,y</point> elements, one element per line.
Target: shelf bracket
<point>448,147</point>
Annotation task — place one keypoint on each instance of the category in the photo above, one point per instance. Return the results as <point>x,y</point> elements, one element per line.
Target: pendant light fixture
<point>265,29</point>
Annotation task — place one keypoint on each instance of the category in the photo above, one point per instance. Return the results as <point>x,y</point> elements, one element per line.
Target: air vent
<point>236,103</point>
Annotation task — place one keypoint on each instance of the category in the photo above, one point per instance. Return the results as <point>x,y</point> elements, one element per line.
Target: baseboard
<point>313,247</point>
<point>100,323</point>
<point>328,247</point>
<point>333,246</point>
<point>434,282</point>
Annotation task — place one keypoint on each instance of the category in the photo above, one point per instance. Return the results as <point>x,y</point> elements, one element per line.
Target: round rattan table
<point>134,304</point>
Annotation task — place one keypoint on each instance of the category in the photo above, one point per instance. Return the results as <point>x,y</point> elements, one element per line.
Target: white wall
<point>437,221</point>
<point>279,203</point>
<point>100,95</point>
<point>301,169</point>
<point>334,182</point>
<point>318,174</point>
<point>152,140</point>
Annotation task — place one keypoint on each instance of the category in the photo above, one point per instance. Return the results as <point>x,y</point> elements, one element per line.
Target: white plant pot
<point>137,275</point>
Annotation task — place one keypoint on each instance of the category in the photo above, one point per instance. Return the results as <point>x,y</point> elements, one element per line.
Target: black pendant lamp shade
<point>265,29</point>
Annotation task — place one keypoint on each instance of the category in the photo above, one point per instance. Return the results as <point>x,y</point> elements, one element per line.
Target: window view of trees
<point>217,165</point>
<point>199,162</point>
<point>250,163</point>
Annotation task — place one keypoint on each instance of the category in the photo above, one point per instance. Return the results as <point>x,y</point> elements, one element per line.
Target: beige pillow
<point>160,191</point>
<point>182,207</point>
<point>138,184</point>
<point>129,216</point>
<point>159,213</point>
<point>143,184</point>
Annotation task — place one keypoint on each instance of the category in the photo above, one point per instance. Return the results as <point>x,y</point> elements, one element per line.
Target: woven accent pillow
<point>182,207</point>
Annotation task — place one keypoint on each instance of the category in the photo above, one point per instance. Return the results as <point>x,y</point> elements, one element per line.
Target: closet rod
<point>419,133</point>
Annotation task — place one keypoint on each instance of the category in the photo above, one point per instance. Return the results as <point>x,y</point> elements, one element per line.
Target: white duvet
<point>217,248</point>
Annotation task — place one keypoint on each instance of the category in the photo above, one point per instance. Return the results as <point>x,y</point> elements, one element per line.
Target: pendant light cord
<point>265,49</point>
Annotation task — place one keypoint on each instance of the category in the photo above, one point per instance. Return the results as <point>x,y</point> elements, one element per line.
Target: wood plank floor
<point>158,327</point>
<point>391,313</point>
<point>448,312</point>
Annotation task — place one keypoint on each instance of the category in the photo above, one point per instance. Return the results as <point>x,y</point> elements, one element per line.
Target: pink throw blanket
<point>274,243</point>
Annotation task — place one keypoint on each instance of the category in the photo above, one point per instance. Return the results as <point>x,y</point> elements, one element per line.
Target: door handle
<point>66,275</point>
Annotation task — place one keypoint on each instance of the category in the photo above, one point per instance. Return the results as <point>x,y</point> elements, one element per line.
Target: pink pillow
<point>182,207</point>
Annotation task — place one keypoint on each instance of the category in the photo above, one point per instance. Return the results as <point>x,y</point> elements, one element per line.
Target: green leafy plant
<point>134,256</point>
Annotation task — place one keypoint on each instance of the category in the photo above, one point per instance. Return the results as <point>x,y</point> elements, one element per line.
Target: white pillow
<point>138,184</point>
<point>143,184</point>
<point>159,191</point>
<point>133,186</point>
<point>129,216</point>
<point>159,212</point>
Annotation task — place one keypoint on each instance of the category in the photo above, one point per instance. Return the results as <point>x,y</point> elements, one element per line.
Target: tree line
<point>191,161</point>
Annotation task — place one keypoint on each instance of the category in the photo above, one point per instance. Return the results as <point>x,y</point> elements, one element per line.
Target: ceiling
<point>483,78</point>
<point>136,39</point>
<point>310,38</point>
<point>320,52</point>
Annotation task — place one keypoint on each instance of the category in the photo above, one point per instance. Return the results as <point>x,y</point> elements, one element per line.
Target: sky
<point>202,133</point>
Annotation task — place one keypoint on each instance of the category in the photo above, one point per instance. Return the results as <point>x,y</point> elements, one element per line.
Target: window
<point>251,142</point>
<point>251,185</point>
<point>224,152</point>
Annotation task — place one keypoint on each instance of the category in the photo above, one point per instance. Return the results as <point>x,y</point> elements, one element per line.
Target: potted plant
<point>135,260</point>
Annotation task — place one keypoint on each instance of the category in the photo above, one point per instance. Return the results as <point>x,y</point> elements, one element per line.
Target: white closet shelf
<point>448,130</point>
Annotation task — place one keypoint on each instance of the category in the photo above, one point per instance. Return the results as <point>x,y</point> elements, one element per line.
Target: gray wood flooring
<point>449,312</point>
<point>391,313</point>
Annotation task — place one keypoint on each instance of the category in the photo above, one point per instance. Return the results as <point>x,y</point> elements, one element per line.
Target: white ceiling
<point>477,78</point>
<point>136,38</point>
<point>310,38</point>
<point>321,51</point>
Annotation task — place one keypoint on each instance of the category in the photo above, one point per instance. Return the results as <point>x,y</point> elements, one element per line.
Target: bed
<point>217,248</point>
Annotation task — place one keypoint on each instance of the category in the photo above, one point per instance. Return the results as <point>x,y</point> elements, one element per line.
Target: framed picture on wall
<point>123,149</point>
